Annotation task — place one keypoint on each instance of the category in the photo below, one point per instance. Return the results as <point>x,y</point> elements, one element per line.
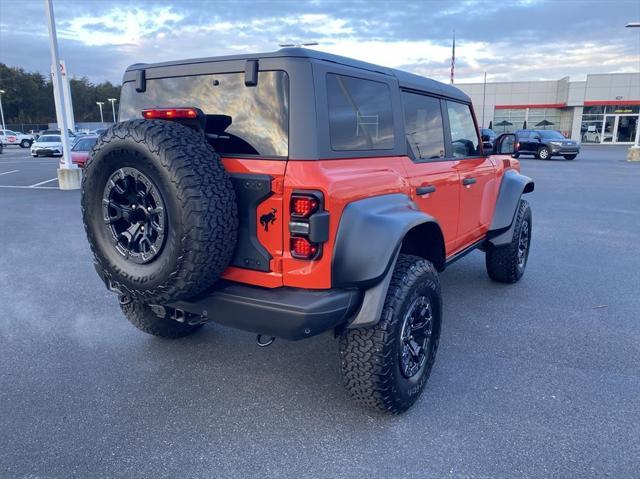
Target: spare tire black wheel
<point>159,210</point>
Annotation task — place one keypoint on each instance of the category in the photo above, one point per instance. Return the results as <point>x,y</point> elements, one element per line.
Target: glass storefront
<point>609,124</point>
<point>510,120</point>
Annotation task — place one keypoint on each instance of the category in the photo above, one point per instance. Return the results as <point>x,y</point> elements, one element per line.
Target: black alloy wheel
<point>523,245</point>
<point>416,336</point>
<point>135,215</point>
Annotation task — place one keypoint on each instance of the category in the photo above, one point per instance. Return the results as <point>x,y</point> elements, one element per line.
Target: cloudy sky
<point>510,39</point>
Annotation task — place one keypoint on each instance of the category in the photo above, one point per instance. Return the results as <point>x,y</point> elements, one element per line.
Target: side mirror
<point>505,144</point>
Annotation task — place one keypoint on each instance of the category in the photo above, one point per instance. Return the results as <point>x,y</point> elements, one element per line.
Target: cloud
<point>524,39</point>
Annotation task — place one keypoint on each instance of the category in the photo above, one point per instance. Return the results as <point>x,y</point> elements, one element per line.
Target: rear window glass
<point>241,120</point>
<point>423,125</point>
<point>360,114</point>
<point>85,145</point>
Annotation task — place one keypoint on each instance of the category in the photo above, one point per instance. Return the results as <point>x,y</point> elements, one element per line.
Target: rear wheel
<point>543,153</point>
<point>386,366</point>
<point>570,157</point>
<point>25,144</point>
<point>143,317</point>
<point>506,263</point>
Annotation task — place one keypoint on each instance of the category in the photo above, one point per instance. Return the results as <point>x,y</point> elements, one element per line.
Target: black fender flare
<point>369,237</point>
<point>513,186</point>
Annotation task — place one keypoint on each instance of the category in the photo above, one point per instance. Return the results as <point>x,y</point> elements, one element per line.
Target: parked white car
<point>47,145</point>
<point>9,137</point>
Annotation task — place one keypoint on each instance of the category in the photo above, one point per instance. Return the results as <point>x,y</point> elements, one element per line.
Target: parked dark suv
<point>543,144</point>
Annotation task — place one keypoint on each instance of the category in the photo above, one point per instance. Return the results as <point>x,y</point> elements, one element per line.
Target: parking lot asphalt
<point>537,379</point>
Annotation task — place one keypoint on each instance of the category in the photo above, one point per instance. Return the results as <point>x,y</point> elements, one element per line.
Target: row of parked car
<point>23,140</point>
<point>50,144</point>
<point>543,144</point>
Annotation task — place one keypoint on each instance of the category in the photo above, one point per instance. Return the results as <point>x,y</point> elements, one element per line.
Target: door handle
<point>469,181</point>
<point>423,190</point>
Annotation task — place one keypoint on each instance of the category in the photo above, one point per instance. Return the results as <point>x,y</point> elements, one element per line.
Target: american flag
<point>453,57</point>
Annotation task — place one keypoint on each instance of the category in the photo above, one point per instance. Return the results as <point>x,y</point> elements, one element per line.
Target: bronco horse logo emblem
<point>268,219</point>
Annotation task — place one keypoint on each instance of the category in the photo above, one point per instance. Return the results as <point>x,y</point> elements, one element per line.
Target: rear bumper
<point>289,313</point>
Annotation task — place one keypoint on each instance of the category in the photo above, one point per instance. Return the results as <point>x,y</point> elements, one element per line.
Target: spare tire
<point>159,210</point>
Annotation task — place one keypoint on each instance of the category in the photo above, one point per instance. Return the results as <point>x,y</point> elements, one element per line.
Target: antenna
<point>297,45</point>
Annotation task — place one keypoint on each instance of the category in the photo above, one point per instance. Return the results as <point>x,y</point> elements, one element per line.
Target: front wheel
<point>506,263</point>
<point>25,144</point>
<point>544,153</point>
<point>570,157</point>
<point>386,366</point>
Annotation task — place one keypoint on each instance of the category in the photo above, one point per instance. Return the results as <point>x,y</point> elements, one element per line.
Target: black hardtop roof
<point>406,79</point>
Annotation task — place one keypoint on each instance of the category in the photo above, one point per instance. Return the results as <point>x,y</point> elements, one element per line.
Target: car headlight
<point>556,143</point>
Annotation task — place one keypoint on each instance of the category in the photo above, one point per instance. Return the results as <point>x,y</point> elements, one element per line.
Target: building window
<point>423,125</point>
<point>360,114</point>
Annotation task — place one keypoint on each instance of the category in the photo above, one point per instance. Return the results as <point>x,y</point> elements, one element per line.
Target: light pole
<point>69,175</point>
<point>634,151</point>
<point>113,108</point>
<point>100,103</point>
<point>1,111</point>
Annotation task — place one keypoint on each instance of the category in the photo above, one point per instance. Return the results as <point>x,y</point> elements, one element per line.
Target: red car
<point>82,147</point>
<point>296,193</point>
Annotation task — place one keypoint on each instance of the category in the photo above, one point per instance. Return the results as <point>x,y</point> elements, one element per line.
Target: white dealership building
<point>605,108</point>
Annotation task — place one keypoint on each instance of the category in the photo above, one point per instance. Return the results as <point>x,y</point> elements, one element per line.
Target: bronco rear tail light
<point>169,113</point>
<point>302,248</point>
<point>303,206</point>
<point>309,225</point>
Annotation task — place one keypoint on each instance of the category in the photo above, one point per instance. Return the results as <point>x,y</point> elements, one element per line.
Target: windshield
<point>551,135</point>
<point>49,139</point>
<point>240,120</point>
<point>84,144</point>
<point>486,131</point>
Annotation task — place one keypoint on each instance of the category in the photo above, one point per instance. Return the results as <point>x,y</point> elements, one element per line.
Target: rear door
<point>477,174</point>
<point>434,179</point>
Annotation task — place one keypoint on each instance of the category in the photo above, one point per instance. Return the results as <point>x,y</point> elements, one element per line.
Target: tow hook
<point>264,344</point>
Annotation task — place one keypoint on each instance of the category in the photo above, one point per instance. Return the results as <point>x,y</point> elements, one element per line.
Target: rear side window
<point>464,136</point>
<point>241,120</point>
<point>360,114</point>
<point>423,125</point>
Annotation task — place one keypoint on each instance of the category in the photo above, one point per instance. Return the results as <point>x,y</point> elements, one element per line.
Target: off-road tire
<point>543,153</point>
<point>570,157</point>
<point>502,262</point>
<point>370,355</point>
<point>201,211</point>
<point>145,319</point>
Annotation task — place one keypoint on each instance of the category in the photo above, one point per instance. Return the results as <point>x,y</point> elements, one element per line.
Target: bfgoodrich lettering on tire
<point>159,210</point>
<point>386,366</point>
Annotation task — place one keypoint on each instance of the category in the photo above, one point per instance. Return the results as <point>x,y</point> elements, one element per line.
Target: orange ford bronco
<point>295,193</point>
